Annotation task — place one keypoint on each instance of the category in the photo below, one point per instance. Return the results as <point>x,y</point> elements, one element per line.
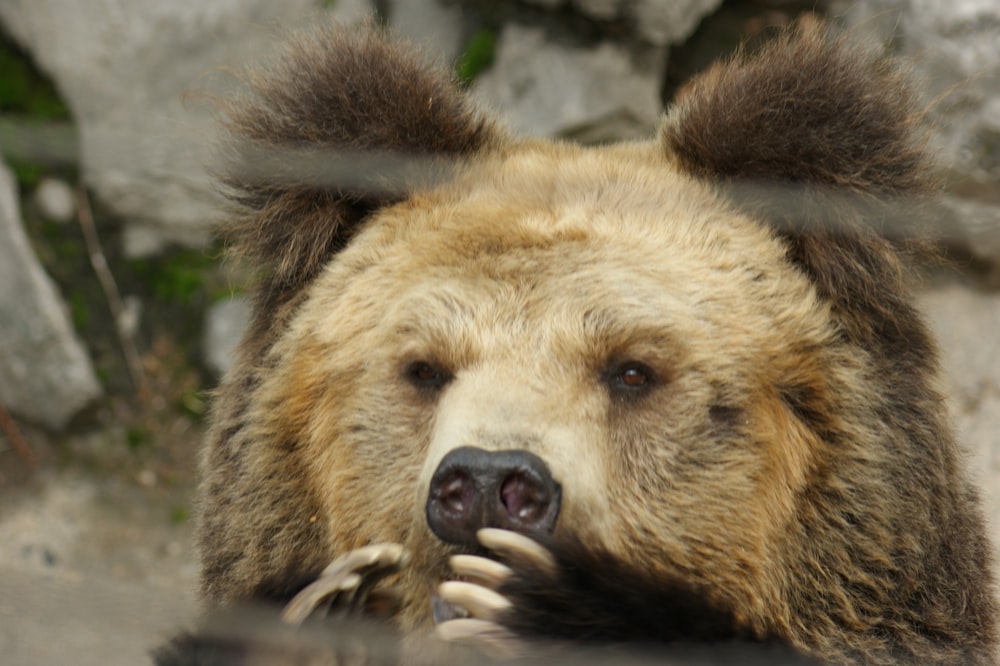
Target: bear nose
<point>473,488</point>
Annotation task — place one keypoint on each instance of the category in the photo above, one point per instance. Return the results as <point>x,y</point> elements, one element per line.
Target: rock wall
<point>955,50</point>
<point>45,373</point>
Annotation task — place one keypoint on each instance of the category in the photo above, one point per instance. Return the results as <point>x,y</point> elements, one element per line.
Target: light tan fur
<point>526,314</point>
<point>792,456</point>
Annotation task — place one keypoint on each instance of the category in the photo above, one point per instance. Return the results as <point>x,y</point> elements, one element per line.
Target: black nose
<point>473,488</point>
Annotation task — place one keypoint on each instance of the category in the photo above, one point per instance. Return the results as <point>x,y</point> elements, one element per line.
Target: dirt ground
<point>96,557</point>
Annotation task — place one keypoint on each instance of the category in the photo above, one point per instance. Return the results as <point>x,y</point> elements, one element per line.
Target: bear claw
<point>480,602</point>
<point>488,573</point>
<point>518,549</point>
<point>346,581</point>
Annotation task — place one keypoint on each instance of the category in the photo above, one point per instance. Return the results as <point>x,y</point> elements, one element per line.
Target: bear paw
<point>347,583</point>
<point>477,592</point>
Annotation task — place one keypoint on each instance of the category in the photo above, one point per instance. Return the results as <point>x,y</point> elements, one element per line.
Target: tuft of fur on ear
<point>808,108</point>
<point>821,137</point>
<point>345,121</point>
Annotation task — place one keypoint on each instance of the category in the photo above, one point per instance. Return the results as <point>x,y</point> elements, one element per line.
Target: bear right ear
<point>809,109</point>
<point>823,139</point>
<point>346,121</point>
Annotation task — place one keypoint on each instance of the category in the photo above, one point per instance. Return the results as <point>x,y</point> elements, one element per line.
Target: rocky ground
<point>96,558</point>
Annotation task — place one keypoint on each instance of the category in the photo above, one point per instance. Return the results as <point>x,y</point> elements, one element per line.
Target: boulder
<point>956,53</point>
<point>55,200</point>
<point>134,74</point>
<point>658,22</point>
<point>433,25</point>
<point>45,374</point>
<point>966,322</point>
<point>225,322</point>
<point>590,93</point>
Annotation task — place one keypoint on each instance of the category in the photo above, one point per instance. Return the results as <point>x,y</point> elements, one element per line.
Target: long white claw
<point>486,572</point>
<point>482,634</point>
<point>343,579</point>
<point>517,548</point>
<point>376,555</point>
<point>481,602</point>
<point>315,593</point>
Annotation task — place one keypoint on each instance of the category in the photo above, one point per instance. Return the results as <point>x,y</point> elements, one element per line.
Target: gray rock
<point>45,374</point>
<point>975,225</point>
<point>131,72</point>
<point>225,322</point>
<point>91,574</point>
<point>429,23</point>
<point>956,51</point>
<point>659,22</point>
<point>548,4</point>
<point>592,94</point>
<point>55,199</point>
<point>600,9</point>
<point>967,324</point>
<point>670,21</point>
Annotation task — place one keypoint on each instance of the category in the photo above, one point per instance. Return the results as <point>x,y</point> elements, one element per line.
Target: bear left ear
<point>821,138</point>
<point>347,120</point>
<point>807,109</point>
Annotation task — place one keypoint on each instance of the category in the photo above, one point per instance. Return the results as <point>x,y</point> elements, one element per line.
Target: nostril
<point>523,499</point>
<point>456,493</point>
<point>474,488</point>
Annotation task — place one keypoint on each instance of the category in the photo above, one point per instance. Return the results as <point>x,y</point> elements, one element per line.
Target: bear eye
<point>633,377</point>
<point>630,378</point>
<point>426,375</point>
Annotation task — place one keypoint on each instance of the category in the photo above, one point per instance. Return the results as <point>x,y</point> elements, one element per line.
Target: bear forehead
<point>552,209</point>
<point>616,233</point>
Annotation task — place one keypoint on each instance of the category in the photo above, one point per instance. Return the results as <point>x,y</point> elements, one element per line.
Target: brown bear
<point>652,393</point>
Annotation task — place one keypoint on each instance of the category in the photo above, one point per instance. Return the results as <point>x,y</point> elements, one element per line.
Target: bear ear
<point>809,108</point>
<point>345,121</point>
<point>821,137</point>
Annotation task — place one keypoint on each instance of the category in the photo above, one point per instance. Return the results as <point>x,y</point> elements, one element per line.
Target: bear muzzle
<point>473,488</point>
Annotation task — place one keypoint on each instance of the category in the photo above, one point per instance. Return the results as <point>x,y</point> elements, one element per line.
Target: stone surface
<point>670,22</point>
<point>225,322</point>
<point>659,22</point>
<point>45,374</point>
<point>590,93</point>
<point>435,26</point>
<point>956,53</point>
<point>135,73</point>
<point>56,200</point>
<point>92,573</point>
<point>967,324</point>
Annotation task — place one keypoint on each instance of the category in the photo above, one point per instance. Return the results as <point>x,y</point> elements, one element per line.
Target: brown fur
<point>791,457</point>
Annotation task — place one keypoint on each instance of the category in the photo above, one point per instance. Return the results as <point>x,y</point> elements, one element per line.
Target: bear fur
<point>706,337</point>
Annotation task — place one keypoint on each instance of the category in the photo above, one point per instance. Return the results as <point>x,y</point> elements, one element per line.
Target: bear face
<point>697,351</point>
<point>528,328</point>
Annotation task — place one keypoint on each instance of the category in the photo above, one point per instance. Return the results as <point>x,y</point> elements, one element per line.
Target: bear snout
<point>473,488</point>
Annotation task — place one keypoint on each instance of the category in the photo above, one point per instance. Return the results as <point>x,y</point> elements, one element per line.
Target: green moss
<point>179,515</point>
<point>477,55</point>
<point>137,437</point>
<point>23,89</point>
<point>27,174</point>
<point>79,310</point>
<point>178,277</point>
<point>193,405</point>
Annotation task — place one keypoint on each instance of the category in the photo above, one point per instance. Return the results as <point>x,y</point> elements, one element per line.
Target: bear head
<point>695,354</point>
